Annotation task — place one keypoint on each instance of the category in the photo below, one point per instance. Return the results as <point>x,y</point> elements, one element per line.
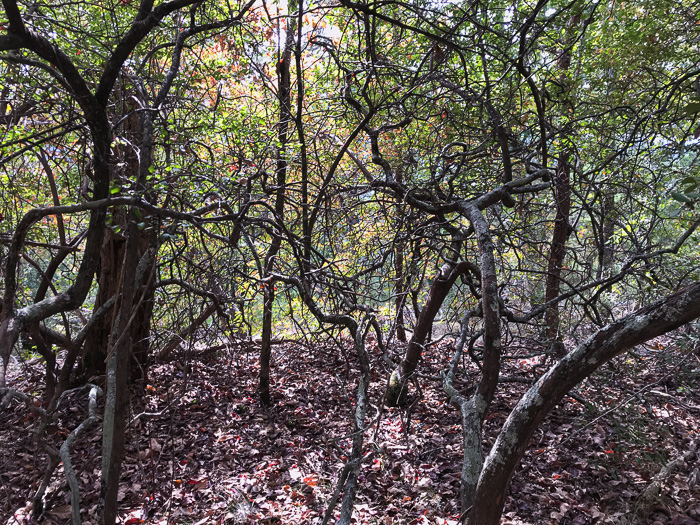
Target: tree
<point>506,165</point>
<point>134,258</point>
<point>515,48</point>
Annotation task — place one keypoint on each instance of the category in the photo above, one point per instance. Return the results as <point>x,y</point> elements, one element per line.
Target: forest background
<point>506,187</point>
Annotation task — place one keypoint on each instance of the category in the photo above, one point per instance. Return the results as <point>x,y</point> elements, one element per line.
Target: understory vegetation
<point>349,262</point>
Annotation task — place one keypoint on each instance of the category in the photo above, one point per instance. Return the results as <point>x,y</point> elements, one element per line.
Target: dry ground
<point>202,450</point>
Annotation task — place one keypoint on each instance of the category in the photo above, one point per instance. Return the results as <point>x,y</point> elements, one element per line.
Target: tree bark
<point>657,319</point>
<point>285,101</point>
<point>441,286</point>
<point>117,391</point>
<point>562,190</point>
<point>358,432</point>
<point>94,352</point>
<point>266,345</point>
<point>474,409</point>
<point>112,258</point>
<point>557,251</point>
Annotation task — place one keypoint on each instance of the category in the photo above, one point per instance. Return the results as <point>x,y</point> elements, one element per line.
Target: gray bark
<point>657,319</point>
<point>355,459</point>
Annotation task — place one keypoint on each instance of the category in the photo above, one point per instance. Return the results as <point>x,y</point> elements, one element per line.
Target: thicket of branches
<point>196,172</point>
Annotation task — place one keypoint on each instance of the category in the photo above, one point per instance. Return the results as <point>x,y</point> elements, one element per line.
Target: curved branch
<point>656,319</point>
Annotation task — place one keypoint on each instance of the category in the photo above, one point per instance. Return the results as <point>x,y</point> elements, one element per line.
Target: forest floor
<point>200,448</point>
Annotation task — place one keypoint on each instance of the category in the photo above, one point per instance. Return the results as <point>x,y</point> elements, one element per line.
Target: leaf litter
<point>201,449</point>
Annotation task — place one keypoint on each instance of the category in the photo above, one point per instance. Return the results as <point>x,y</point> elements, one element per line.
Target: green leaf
<point>692,108</point>
<point>681,197</point>
<point>114,189</point>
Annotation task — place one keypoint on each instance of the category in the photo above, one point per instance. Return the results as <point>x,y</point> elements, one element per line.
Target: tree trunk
<point>141,327</point>
<point>647,323</point>
<point>562,190</point>
<point>472,453</point>
<point>557,252</point>
<point>266,345</point>
<point>474,410</point>
<point>398,382</point>
<point>117,389</point>
<point>285,101</point>
<point>94,352</point>
<point>111,261</point>
<point>348,480</point>
<point>355,459</point>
